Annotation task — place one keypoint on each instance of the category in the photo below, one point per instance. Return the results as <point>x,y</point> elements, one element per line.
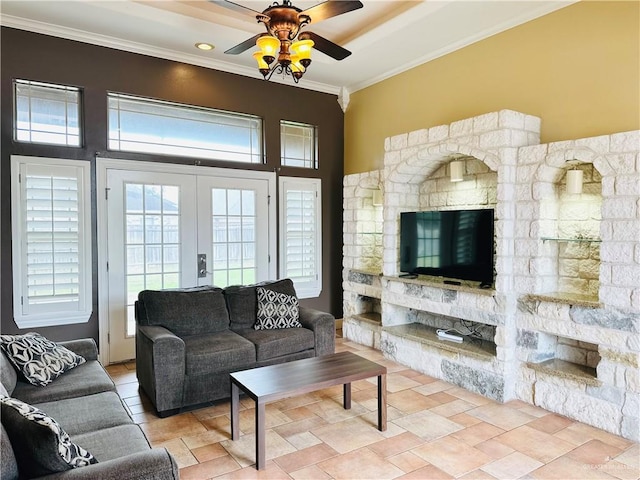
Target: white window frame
<point>310,162</point>
<point>157,140</point>
<point>56,312</point>
<point>304,289</point>
<point>66,135</point>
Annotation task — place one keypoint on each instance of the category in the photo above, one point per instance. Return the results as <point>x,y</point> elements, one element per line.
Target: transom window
<point>298,144</point>
<point>152,126</point>
<point>46,113</point>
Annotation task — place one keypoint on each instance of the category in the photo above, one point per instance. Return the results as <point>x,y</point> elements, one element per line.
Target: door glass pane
<point>152,225</point>
<point>234,236</point>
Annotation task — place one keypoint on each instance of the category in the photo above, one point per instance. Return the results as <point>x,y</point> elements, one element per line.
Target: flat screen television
<point>455,244</point>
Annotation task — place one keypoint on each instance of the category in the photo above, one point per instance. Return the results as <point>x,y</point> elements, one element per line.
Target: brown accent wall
<point>98,70</point>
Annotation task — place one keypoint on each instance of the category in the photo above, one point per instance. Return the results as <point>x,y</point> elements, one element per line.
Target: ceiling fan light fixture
<point>284,39</point>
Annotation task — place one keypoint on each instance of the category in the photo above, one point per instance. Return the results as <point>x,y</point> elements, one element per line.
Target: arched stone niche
<point>568,225</point>
<point>599,228</point>
<point>423,182</point>
<point>411,160</point>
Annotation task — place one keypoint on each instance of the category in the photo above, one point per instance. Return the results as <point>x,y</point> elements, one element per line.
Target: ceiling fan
<point>283,22</point>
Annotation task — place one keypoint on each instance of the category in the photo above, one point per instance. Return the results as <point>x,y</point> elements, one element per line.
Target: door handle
<point>202,265</point>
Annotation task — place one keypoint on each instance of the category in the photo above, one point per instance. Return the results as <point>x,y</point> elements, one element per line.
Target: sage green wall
<point>578,69</point>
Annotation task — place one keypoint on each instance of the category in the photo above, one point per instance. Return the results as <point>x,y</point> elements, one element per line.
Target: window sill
<point>38,321</point>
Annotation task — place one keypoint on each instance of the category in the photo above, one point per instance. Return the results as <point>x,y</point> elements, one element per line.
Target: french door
<point>181,228</point>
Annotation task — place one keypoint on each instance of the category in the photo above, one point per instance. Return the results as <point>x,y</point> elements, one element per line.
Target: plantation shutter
<point>301,234</point>
<point>52,258</point>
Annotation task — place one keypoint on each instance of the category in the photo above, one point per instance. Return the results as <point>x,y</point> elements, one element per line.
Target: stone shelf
<point>366,272</point>
<point>564,298</point>
<point>369,317</point>
<point>430,282</point>
<point>554,239</point>
<point>481,349</point>
<point>568,370</point>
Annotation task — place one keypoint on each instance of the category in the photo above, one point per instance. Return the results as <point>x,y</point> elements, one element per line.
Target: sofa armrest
<point>154,464</point>
<point>160,366</point>
<point>323,326</point>
<point>85,347</point>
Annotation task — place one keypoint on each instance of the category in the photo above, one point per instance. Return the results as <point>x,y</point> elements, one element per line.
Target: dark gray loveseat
<point>189,340</point>
<point>85,404</point>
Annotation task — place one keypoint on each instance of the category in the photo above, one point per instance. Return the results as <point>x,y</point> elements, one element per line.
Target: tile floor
<point>435,431</point>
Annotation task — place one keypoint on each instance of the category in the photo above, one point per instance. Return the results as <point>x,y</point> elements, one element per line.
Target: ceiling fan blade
<point>325,46</point>
<point>246,45</point>
<point>236,7</point>
<point>331,8</point>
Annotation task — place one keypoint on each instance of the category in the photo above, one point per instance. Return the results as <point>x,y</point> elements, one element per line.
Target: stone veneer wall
<point>537,314</point>
<point>362,223</point>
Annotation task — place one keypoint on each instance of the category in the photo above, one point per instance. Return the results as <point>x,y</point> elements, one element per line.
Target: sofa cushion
<point>40,360</point>
<point>276,310</point>
<point>275,343</point>
<point>115,442</point>
<point>215,352</point>
<point>185,311</point>
<point>242,301</point>
<point>89,413</point>
<point>85,379</point>
<point>40,444</point>
<point>8,462</point>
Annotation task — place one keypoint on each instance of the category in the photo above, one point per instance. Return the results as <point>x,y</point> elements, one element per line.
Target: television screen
<point>455,244</point>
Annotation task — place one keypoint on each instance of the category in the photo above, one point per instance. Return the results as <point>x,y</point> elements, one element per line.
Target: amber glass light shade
<point>268,45</point>
<point>302,48</point>
<point>295,65</point>
<point>259,58</point>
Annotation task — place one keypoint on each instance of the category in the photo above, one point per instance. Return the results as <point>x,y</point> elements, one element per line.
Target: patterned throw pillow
<point>276,310</point>
<point>40,444</point>
<point>41,361</point>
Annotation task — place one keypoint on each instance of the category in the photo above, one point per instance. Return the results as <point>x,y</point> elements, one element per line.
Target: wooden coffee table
<point>275,382</point>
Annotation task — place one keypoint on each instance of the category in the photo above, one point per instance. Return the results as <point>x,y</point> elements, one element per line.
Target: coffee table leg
<point>382,402</point>
<point>346,390</point>
<point>235,411</point>
<point>260,442</point>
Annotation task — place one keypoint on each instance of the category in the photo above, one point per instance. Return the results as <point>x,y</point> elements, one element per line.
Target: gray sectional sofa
<point>85,404</point>
<point>189,340</point>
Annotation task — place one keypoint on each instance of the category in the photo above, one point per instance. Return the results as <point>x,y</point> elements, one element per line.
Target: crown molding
<point>151,51</point>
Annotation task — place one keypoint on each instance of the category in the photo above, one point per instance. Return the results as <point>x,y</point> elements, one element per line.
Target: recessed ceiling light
<point>204,46</point>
